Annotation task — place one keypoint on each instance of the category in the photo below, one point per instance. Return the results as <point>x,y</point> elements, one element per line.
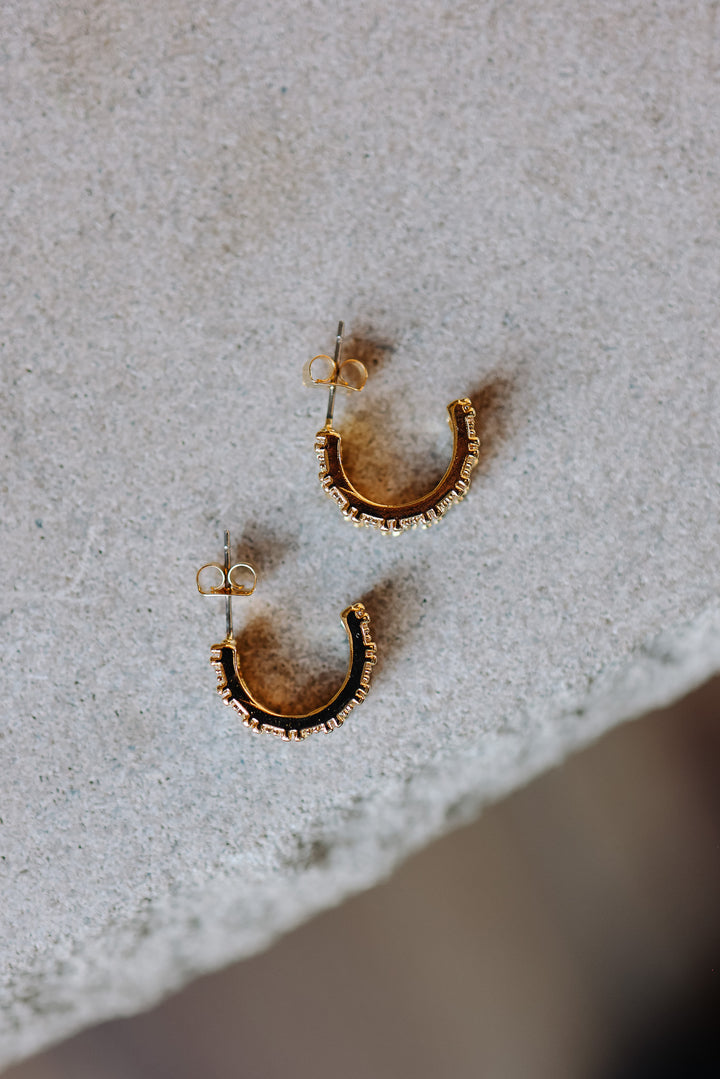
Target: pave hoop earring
<point>392,520</point>
<point>215,579</point>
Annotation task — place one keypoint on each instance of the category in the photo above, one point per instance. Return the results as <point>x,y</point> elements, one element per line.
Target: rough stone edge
<point>127,968</point>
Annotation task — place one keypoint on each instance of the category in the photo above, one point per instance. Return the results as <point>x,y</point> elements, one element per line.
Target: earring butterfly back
<point>352,375</point>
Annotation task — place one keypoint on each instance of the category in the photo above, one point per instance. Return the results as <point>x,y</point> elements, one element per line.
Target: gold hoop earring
<point>215,579</point>
<point>392,520</point>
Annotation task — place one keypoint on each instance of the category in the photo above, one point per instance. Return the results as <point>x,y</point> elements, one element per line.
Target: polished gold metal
<point>357,371</point>
<point>235,693</point>
<point>391,520</point>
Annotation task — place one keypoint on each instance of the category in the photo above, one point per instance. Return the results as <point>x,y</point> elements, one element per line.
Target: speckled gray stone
<point>516,203</point>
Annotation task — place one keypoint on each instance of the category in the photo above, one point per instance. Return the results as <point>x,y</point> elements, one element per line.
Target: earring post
<point>333,385</point>
<point>228,599</point>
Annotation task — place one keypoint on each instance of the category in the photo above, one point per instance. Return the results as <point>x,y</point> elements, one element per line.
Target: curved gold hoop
<point>232,687</point>
<point>233,690</point>
<point>424,511</point>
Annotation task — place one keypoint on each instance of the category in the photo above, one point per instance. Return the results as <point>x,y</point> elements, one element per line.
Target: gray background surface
<point>571,933</point>
<point>519,203</point>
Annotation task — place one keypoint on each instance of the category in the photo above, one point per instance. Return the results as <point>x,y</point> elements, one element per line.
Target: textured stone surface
<point>516,203</point>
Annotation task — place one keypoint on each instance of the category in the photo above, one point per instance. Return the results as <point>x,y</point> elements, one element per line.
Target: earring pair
<point>239,579</point>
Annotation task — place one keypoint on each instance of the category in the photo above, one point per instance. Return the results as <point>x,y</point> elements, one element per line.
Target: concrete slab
<point>516,204</point>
